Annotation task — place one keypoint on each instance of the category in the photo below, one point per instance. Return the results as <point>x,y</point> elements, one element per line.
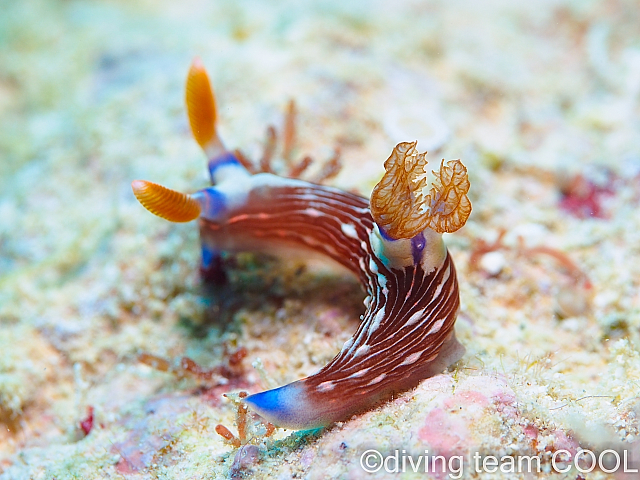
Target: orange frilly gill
<point>392,243</point>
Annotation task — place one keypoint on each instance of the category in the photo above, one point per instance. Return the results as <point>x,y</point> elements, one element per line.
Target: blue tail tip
<point>285,407</point>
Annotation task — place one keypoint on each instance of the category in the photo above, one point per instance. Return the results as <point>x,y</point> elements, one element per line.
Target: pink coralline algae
<point>150,436</point>
<point>446,429</point>
<point>457,423</point>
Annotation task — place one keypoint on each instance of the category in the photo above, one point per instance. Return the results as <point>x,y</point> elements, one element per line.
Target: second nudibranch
<point>393,243</point>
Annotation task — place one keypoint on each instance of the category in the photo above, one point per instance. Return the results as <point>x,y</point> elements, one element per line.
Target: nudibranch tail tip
<point>166,203</point>
<point>289,406</point>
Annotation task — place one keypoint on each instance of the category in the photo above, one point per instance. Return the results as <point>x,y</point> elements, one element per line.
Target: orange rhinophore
<point>201,107</point>
<point>166,203</point>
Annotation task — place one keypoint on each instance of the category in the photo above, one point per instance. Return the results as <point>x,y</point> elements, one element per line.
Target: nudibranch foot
<point>393,244</point>
<point>212,270</point>
<point>302,406</point>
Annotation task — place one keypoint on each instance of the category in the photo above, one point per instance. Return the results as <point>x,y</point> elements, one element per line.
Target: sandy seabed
<point>541,101</point>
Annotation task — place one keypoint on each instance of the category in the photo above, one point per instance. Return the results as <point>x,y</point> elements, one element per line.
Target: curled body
<point>412,298</point>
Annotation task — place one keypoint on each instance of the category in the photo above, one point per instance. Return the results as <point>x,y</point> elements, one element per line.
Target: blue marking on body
<point>227,158</point>
<point>270,401</point>
<point>385,236</point>
<point>208,255</point>
<point>212,266</point>
<point>214,203</point>
<point>417,246</point>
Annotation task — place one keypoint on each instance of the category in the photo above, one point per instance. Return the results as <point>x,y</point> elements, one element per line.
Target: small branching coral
<point>246,431</point>
<point>572,298</point>
<point>189,368</point>
<point>251,430</point>
<point>395,249</point>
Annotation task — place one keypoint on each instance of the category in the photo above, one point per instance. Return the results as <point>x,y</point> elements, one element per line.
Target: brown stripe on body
<point>393,342</point>
<point>413,300</point>
<point>308,216</point>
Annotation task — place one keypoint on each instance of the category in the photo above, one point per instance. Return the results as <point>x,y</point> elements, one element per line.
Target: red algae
<point>86,424</point>
<point>582,198</point>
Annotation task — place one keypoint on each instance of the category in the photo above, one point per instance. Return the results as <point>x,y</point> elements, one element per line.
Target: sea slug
<point>393,243</point>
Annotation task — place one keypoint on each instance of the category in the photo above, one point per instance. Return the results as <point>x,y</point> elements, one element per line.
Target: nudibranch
<point>392,243</point>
